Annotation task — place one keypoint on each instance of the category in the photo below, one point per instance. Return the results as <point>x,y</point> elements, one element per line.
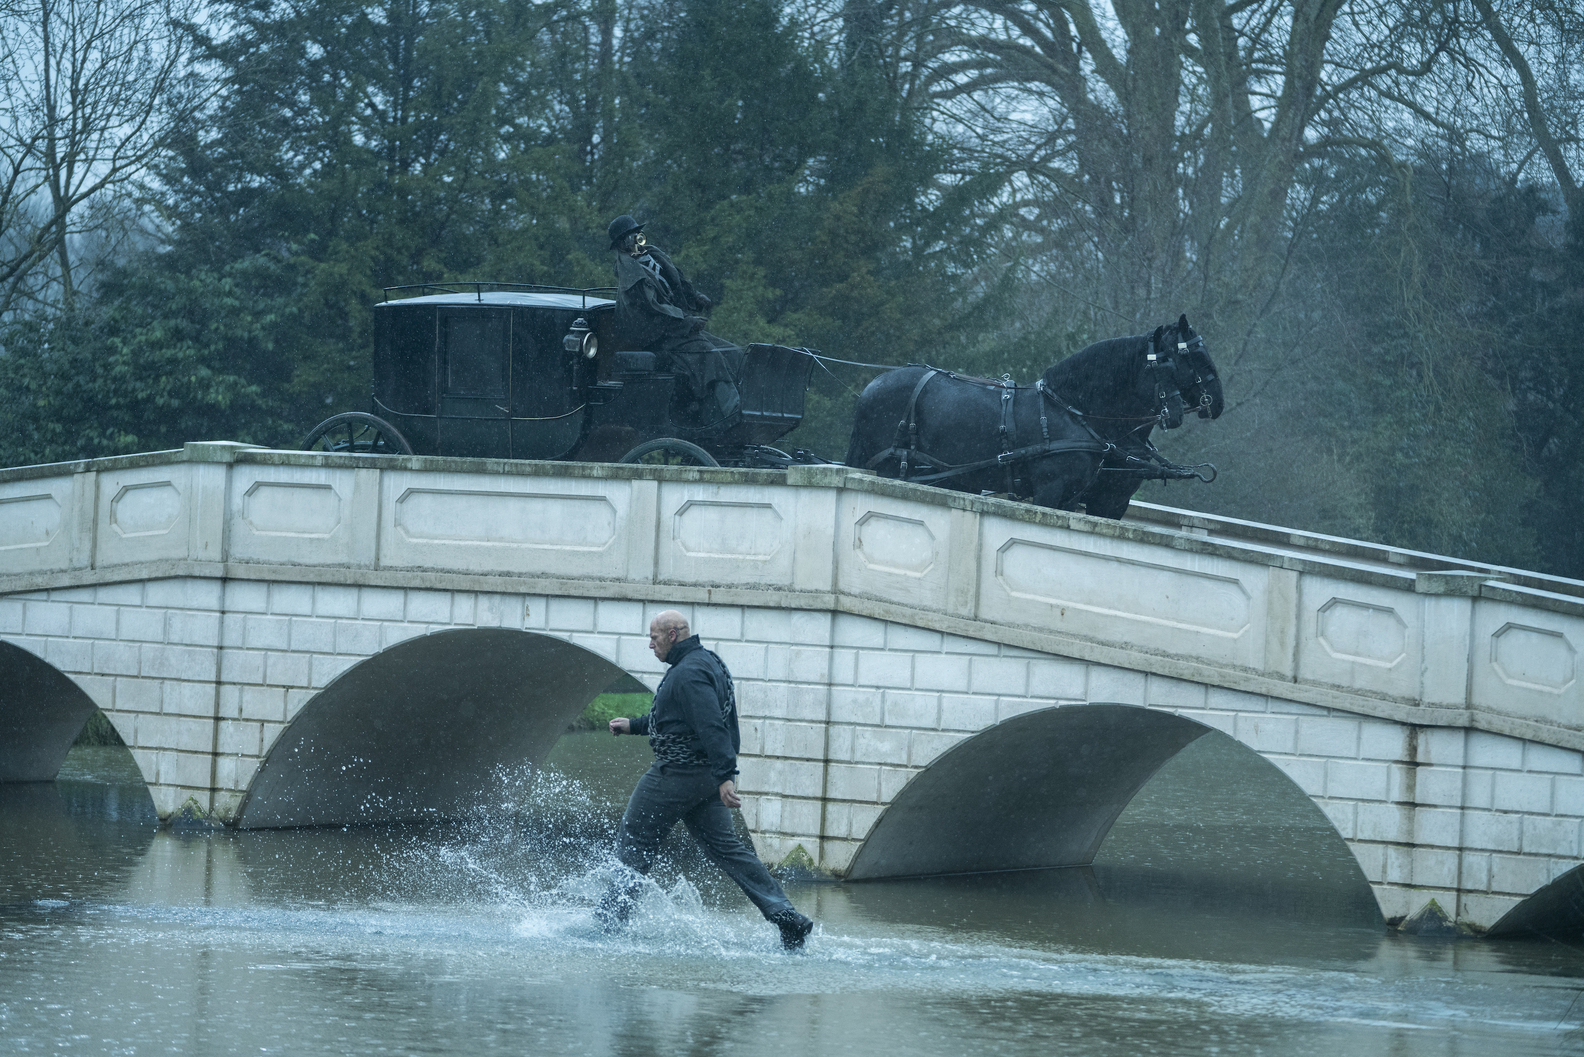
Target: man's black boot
<point>794,928</point>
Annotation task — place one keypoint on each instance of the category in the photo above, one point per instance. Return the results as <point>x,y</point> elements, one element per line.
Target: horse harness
<point>904,444</point>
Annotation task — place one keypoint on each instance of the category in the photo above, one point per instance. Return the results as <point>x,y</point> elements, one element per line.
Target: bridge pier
<point>289,638</point>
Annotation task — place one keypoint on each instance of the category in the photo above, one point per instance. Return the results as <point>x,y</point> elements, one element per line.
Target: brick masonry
<point>839,711</point>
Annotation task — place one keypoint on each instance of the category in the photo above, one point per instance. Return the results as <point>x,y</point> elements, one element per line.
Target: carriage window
<point>476,352</point>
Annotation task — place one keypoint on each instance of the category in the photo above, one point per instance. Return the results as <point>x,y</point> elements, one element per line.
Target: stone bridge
<point>930,682</point>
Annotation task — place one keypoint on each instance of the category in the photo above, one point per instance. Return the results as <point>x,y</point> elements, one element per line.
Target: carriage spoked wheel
<point>670,451</point>
<point>356,433</point>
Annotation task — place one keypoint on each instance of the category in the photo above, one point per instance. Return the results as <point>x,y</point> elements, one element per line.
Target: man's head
<point>666,630</point>
<point>622,231</point>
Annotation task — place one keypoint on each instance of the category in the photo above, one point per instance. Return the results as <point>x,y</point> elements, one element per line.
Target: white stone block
<point>852,782</point>
<point>960,712</point>
<point>1379,740</point>
<point>1441,745</point>
<point>291,599</point>
<point>1267,733</point>
<point>434,607</point>
<point>138,695</point>
<point>940,671</point>
<point>180,662</point>
<point>843,667</point>
<point>925,747</point>
<point>1521,792</point>
<point>382,603</point>
<point>745,659</point>
<point>186,733</point>
<point>1440,827</point>
<point>634,656</point>
<point>809,628</point>
<point>228,701</point>
<point>798,664</point>
<point>1343,816</point>
<point>1551,759</point>
<point>1567,797</point>
<point>1002,676</point>
<point>1174,694</point>
<point>1551,836</point>
<point>1399,864</point>
<point>99,688</point>
<point>798,740</point>
<point>464,605</point>
<point>192,627</point>
<point>244,596</point>
<point>1434,786</point>
<point>880,745</point>
<point>837,855</point>
<point>47,618</point>
<point>356,638</point>
<point>287,669</point>
<point>856,631</point>
<point>140,625</point>
<point>335,600</point>
<point>116,658</point>
<point>1220,699</point>
<point>1008,707</point>
<point>1371,859</point>
<point>839,742</point>
<point>394,634</point>
<point>800,816</point>
<point>1115,686</point>
<point>93,622</point>
<point>127,594</point>
<point>601,645</point>
<point>787,777</point>
<point>69,655</point>
<point>323,668</point>
<point>614,617</point>
<point>1519,875</point>
<point>919,640</point>
<point>1307,774</point>
<point>969,647</point>
<point>237,737</point>
<point>1385,822</point>
<point>1225,722</point>
<point>183,593</point>
<point>1357,780</point>
<point>1435,868</point>
<point>716,623</point>
<point>535,614</point>
<point>1478,789</point>
<point>188,699</point>
<point>904,709</point>
<point>861,820</point>
<point>767,625</point>
<point>266,633</point>
<point>1058,680</point>
<point>885,669</point>
<point>1476,871</point>
<point>296,701</point>
<point>893,780</point>
<point>1496,751</point>
<point>241,666</point>
<point>312,636</point>
<point>13,614</point>
<point>1328,737</point>
<point>1490,831</point>
<point>811,703</point>
<point>264,703</point>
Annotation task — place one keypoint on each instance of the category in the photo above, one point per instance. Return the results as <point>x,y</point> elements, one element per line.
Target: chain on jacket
<point>683,749</point>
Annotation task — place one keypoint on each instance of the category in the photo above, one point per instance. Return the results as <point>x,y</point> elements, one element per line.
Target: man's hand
<point>728,792</point>
<point>620,726</point>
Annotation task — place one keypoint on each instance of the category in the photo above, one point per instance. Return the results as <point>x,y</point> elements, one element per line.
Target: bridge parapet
<point>1339,624</point>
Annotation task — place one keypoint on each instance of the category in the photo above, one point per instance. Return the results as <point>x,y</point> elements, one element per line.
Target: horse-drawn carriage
<point>507,371</point>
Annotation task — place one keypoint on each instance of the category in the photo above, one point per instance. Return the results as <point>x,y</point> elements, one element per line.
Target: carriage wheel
<point>670,451</point>
<point>356,433</point>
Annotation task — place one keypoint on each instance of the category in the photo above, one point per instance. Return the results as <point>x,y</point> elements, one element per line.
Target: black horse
<point>1079,435</point>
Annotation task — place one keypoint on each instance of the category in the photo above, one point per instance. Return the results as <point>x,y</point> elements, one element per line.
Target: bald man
<point>692,728</point>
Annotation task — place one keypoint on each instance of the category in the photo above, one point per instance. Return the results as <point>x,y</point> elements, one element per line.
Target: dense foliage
<point>1373,230</point>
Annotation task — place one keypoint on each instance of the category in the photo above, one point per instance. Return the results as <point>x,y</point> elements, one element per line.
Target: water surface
<point>1219,918</point>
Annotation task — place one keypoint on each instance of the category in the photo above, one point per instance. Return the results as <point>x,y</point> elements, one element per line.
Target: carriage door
<point>475,375</point>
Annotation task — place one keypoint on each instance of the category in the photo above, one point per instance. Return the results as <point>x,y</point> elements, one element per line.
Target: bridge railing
<point>1316,619</point>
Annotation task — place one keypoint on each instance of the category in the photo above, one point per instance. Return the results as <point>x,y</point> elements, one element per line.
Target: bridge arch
<point>418,730</point>
<point>42,710</point>
<point>1040,790</point>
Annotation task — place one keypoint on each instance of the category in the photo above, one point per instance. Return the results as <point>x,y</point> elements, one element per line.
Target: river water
<point>1221,917</point>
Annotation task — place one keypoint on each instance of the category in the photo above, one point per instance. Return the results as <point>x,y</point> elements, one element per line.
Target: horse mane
<point>1099,377</point>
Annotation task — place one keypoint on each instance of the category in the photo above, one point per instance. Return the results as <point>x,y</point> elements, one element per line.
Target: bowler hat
<point>621,227</point>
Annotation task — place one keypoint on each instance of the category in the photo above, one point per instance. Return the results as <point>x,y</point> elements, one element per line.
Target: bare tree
<point>91,90</point>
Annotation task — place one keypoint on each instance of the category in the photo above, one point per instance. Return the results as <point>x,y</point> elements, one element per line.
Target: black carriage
<point>506,371</point>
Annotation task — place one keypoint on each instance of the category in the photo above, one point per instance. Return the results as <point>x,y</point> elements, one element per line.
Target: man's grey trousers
<point>668,793</point>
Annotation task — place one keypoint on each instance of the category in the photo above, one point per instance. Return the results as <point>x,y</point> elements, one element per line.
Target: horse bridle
<point>1191,353</point>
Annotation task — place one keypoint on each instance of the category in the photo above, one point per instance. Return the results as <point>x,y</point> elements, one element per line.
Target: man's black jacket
<point>695,701</point>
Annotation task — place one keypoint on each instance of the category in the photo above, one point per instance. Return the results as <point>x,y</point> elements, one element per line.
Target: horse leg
<point>1059,481</point>
<point>1110,495</point>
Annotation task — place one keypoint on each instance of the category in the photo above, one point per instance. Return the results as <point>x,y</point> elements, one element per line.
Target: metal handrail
<point>477,288</point>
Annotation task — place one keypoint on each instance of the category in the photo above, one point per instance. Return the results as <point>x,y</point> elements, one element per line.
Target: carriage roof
<point>498,295</point>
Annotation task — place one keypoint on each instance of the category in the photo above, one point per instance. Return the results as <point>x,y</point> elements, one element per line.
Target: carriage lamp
<point>580,338</point>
